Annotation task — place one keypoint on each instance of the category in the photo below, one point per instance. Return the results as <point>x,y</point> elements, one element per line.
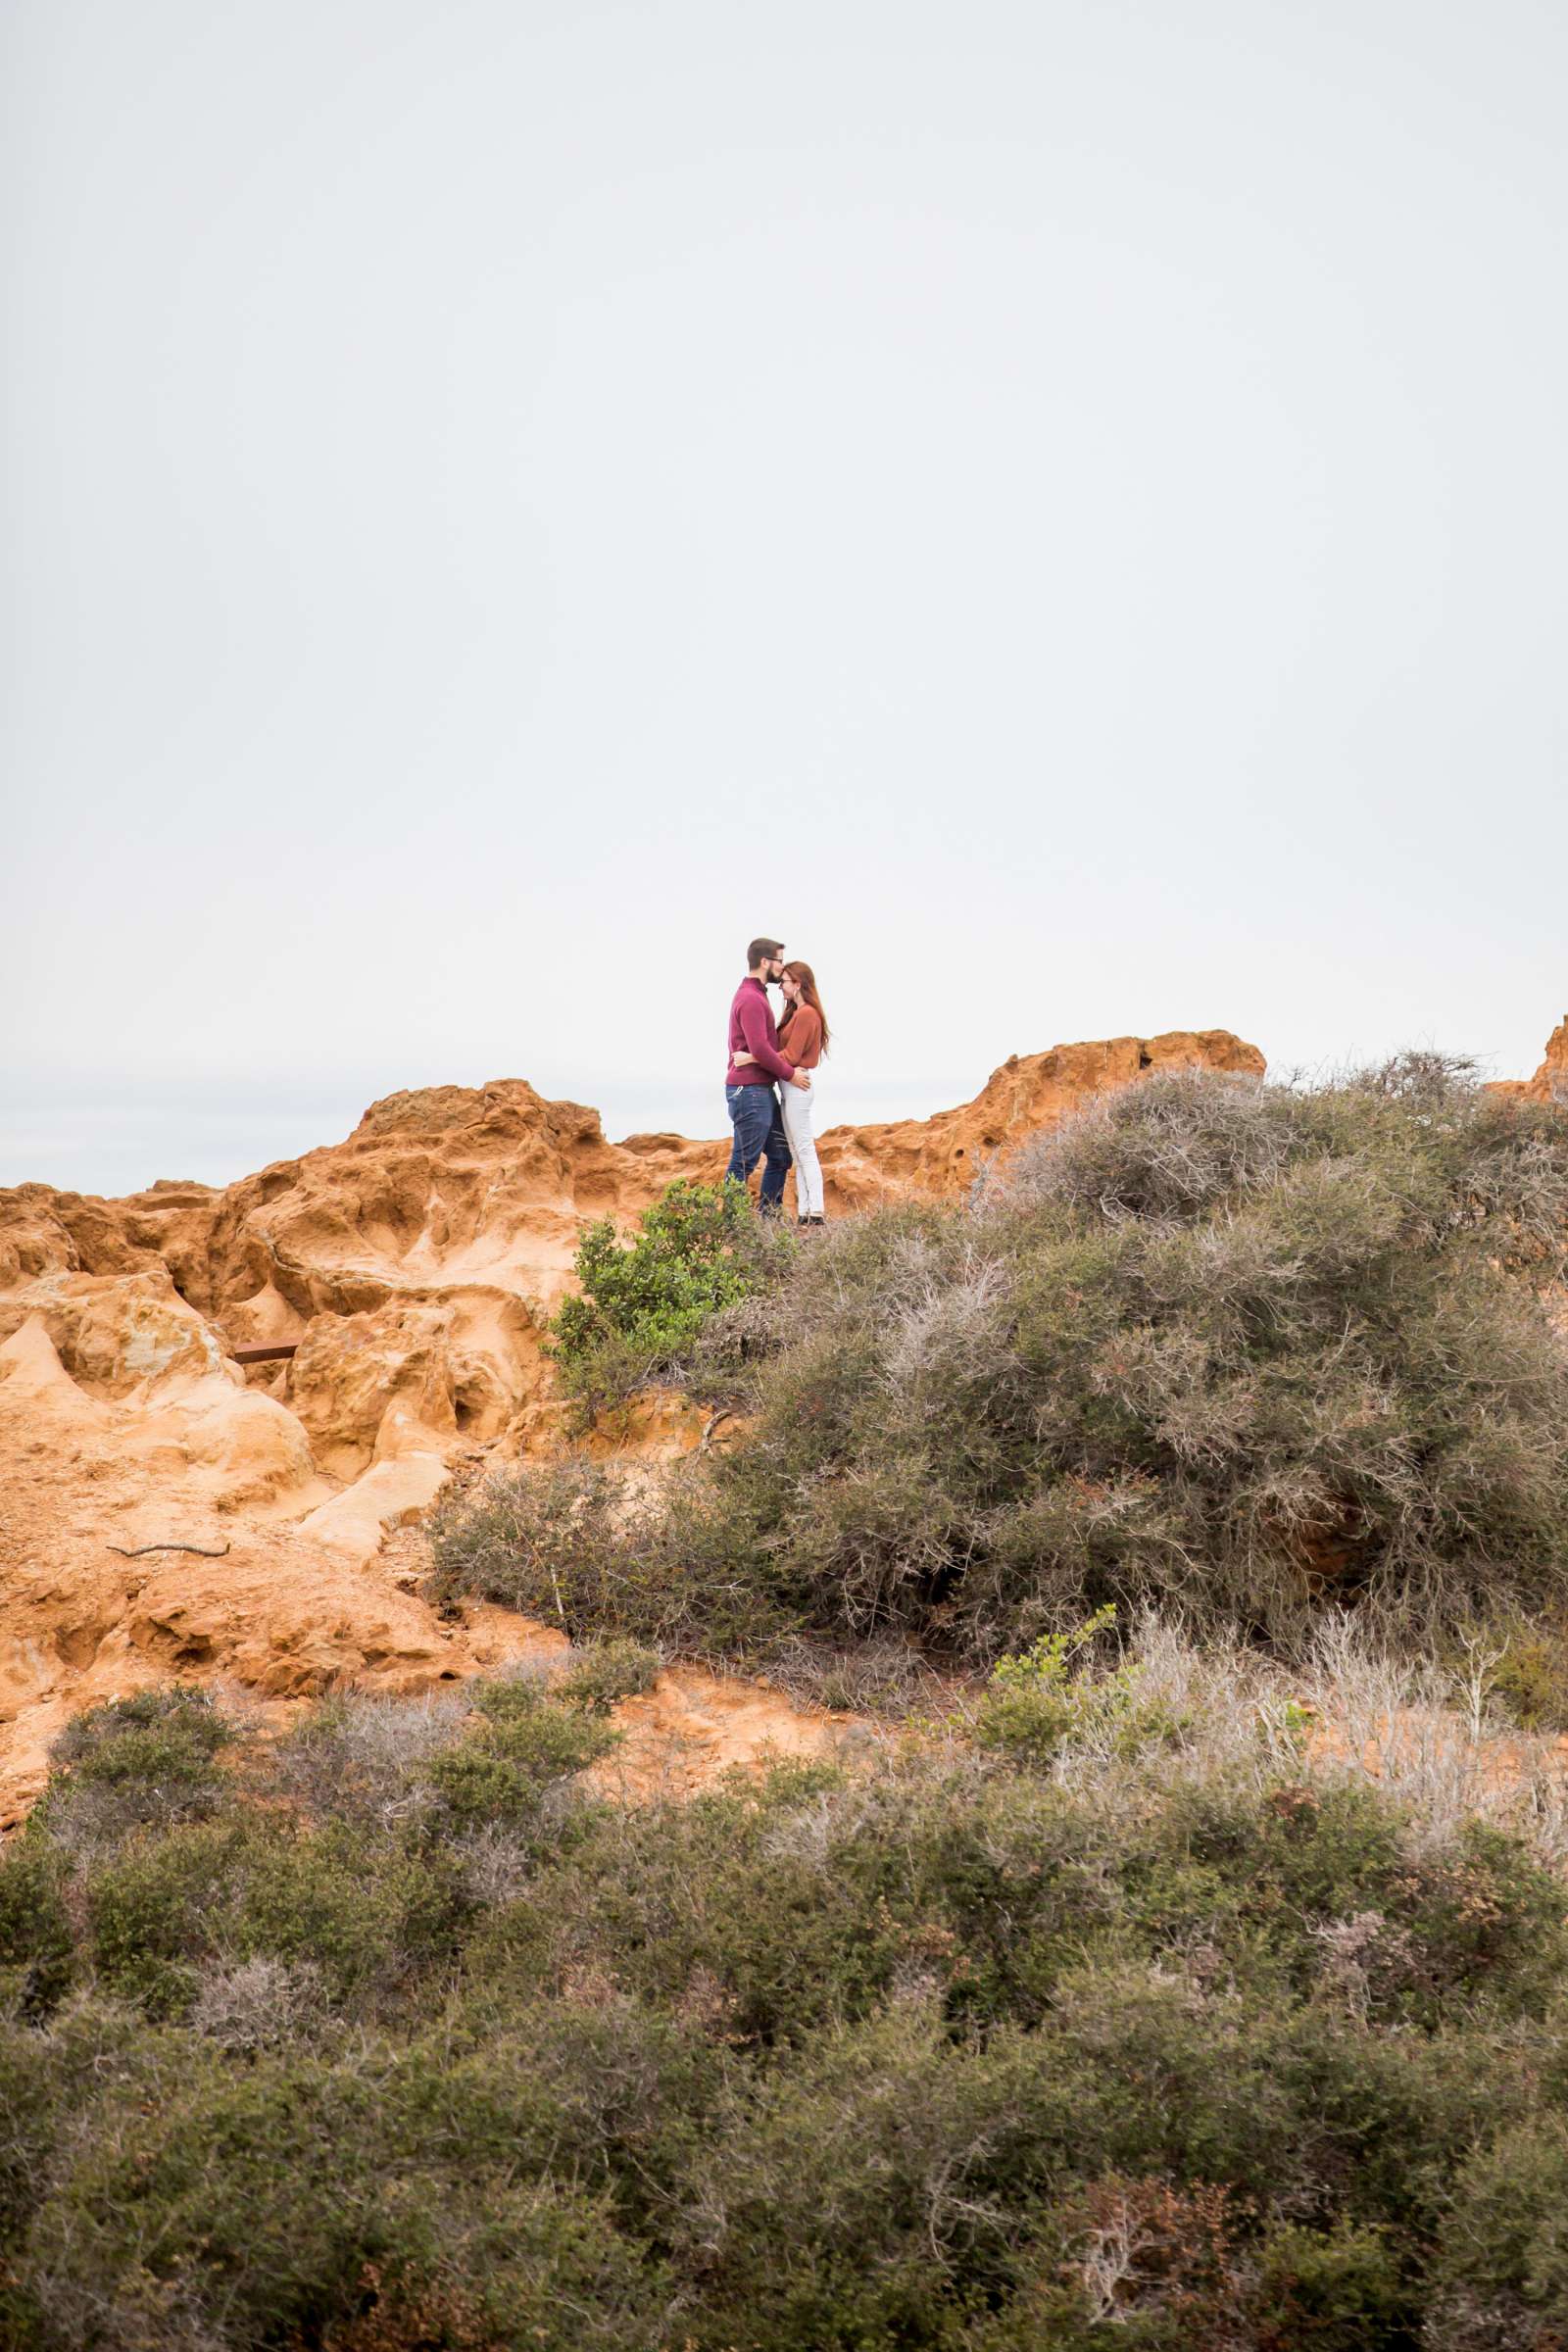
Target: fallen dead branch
<point>202,1550</point>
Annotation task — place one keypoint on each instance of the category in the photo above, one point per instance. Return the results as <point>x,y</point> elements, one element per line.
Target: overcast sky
<point>1055,507</point>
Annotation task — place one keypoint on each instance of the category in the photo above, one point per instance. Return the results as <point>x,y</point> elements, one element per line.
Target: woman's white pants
<point>797,1108</point>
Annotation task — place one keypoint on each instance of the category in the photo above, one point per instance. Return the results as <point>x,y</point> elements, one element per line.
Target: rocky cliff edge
<point>413,1268</point>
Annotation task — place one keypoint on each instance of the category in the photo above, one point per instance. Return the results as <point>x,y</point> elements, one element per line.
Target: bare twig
<point>142,1549</point>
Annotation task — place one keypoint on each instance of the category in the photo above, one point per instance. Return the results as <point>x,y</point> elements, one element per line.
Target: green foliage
<point>1503,2268</point>
<point>642,1304</point>
<point>149,1758</point>
<point>35,1931</point>
<point>562,1540</point>
<point>525,1745</point>
<point>1034,1701</point>
<point>938,2055</point>
<point>1527,1671</point>
<point>174,1731</point>
<point>549,1541</point>
<point>1230,1349</point>
<point>603,1671</point>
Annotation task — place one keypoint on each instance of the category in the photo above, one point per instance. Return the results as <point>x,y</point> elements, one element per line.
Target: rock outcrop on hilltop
<point>1550,1082</point>
<point>414,1268</point>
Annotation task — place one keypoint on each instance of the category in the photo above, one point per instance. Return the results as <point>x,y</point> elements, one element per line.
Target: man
<point>749,1088</point>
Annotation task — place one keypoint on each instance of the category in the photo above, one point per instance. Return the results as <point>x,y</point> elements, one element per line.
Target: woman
<point>803,1039</point>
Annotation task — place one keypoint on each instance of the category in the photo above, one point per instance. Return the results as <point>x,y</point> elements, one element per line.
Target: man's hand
<point>800,1080</point>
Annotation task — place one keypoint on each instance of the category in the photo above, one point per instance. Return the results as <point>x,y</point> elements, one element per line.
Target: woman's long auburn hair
<point>804,973</point>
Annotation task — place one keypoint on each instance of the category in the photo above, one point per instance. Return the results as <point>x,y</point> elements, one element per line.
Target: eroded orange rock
<point>1550,1082</point>
<point>413,1267</point>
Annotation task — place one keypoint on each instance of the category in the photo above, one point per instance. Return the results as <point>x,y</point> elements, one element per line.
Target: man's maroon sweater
<point>751,1026</point>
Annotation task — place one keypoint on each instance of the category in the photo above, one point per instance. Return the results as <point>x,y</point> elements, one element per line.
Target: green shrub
<point>1337,2290</point>
<point>175,1730</point>
<point>563,1541</point>
<point>894,2058</point>
<point>1501,2272</point>
<point>37,1941</point>
<point>548,1541</point>
<point>1034,1702</point>
<point>1233,1350</point>
<point>148,1758</point>
<point>1526,1668</point>
<point>603,1671</point>
<point>526,1745</point>
<point>698,1249</point>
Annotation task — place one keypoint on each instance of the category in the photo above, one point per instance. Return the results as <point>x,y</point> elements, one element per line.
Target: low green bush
<point>943,2054</point>
<point>149,1758</point>
<point>603,1671</point>
<point>1523,1667</point>
<point>548,1539</point>
<point>565,1542</point>
<point>642,1303</point>
<point>1233,1351</point>
<point>36,1937</point>
<point>525,1745</point>
<point>1036,1701</point>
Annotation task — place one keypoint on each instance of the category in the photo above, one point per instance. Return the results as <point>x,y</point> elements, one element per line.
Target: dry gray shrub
<point>1163,1150</point>
<point>356,1755</point>
<point>886,1676</point>
<point>496,1863</point>
<point>262,2004</point>
<point>1354,1709</point>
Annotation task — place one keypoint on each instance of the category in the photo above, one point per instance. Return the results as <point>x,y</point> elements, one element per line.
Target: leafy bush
<point>1233,1349</point>
<point>949,2054</point>
<point>603,1671</point>
<point>148,1758</point>
<point>525,1745</point>
<point>547,1540</point>
<point>37,1941</point>
<point>1033,1701</point>
<point>565,1542</point>
<point>1526,1668</point>
<point>642,1304</point>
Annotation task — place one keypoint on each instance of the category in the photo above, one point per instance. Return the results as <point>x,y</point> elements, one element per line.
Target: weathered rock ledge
<point>413,1267</point>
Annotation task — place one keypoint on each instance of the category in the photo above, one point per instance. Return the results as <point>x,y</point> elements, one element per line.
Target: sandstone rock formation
<point>1550,1082</point>
<point>414,1268</point>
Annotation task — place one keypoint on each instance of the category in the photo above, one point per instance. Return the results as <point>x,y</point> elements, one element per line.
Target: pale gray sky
<point>1057,506</point>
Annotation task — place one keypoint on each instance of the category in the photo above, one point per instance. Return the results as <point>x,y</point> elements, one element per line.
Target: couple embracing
<point>768,1082</point>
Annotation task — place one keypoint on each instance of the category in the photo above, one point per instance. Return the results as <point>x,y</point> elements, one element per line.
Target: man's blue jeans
<point>758,1126</point>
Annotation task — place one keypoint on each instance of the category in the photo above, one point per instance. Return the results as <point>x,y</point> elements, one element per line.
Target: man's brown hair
<point>759,951</point>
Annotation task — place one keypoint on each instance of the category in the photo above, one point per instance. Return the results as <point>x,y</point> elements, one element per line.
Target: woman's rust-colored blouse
<point>801,1039</point>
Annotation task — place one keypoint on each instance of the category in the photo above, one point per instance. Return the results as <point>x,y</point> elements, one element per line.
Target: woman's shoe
<point>816,1220</point>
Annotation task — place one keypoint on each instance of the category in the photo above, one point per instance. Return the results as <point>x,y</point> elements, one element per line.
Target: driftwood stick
<point>142,1549</point>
